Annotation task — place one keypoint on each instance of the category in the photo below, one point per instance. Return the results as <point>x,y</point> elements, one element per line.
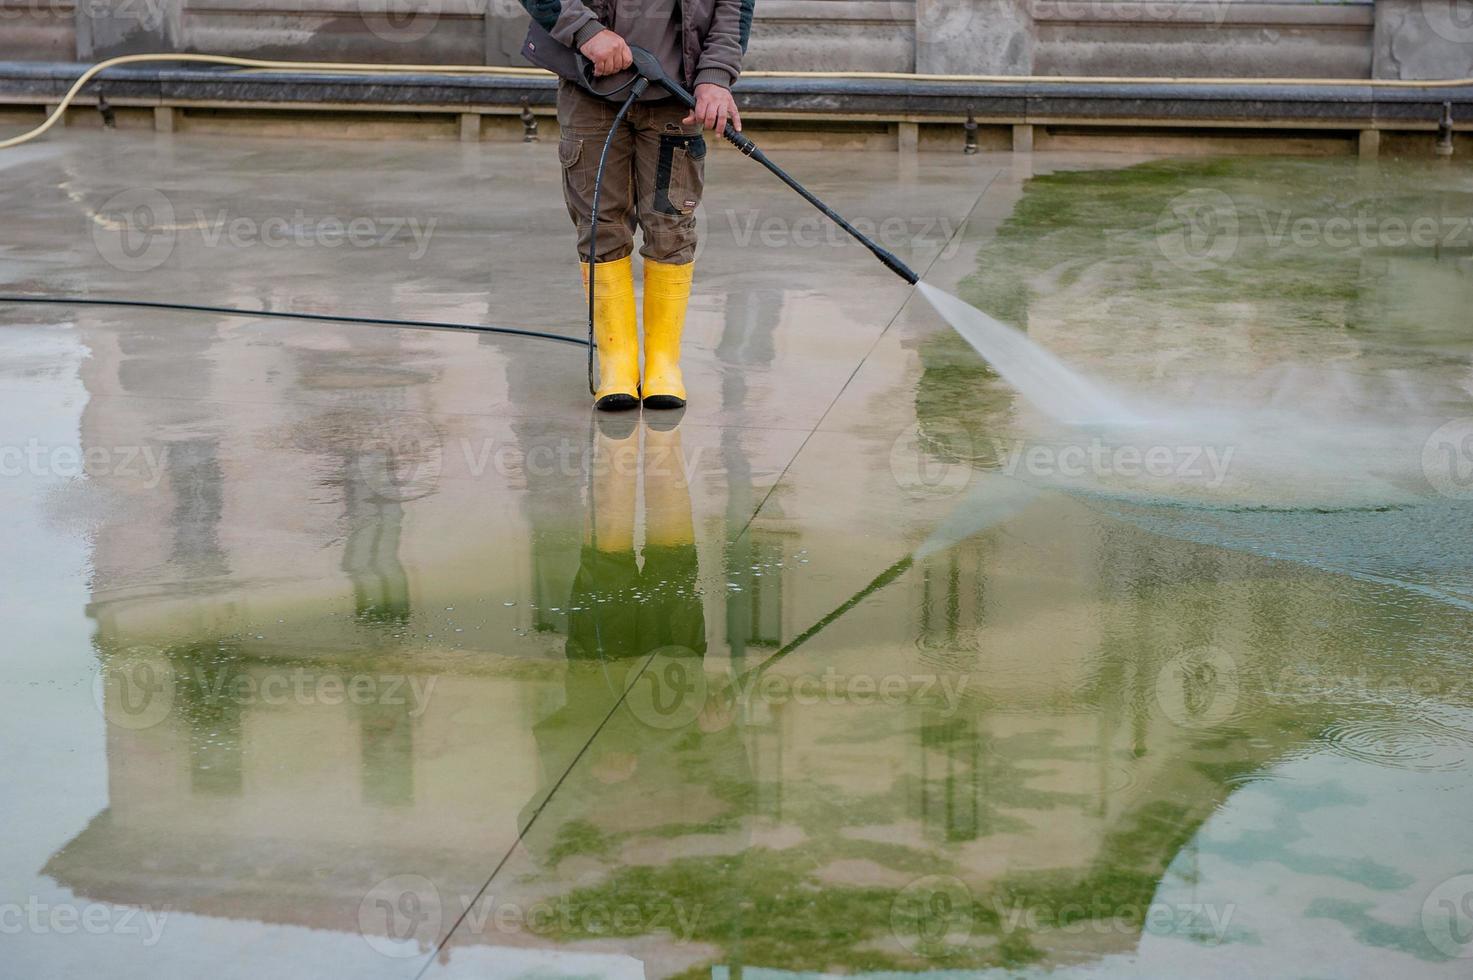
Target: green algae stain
<point>1370,931</point>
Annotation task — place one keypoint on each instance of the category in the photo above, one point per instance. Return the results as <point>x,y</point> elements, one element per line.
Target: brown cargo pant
<point>653,178</point>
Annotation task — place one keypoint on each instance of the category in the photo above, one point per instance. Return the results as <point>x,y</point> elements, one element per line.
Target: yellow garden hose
<point>223,59</point>
<point>323,67</point>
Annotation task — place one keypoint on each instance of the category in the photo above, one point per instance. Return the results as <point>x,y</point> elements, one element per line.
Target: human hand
<point>608,52</point>
<point>714,106</point>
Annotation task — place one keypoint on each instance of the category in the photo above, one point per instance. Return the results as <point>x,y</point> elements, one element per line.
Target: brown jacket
<point>713,33</point>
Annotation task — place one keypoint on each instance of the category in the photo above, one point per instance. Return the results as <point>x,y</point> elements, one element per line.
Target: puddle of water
<point>1139,728</point>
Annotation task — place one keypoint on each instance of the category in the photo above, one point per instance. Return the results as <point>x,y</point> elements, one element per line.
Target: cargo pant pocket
<point>569,150</point>
<point>577,189</point>
<point>679,173</point>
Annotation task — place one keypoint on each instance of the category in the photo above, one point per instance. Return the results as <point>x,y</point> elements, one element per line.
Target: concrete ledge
<point>1351,107</point>
<point>1155,13</point>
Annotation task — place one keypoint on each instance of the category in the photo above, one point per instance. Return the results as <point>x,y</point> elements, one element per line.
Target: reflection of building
<point>996,715</point>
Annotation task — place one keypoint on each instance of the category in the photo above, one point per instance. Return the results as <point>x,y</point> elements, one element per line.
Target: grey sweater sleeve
<point>568,21</point>
<point>721,60</point>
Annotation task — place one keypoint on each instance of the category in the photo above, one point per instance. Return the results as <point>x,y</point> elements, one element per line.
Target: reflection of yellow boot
<point>614,482</point>
<point>615,327</point>
<point>667,507</point>
<point>666,293</point>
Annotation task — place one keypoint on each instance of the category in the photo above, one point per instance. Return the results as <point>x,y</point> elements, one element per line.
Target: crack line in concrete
<point>521,834</point>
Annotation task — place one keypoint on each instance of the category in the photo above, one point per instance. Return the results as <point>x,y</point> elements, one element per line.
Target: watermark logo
<point>134,230</point>
<point>135,690</point>
<point>1451,20</point>
<point>306,686</point>
<point>401,916</point>
<point>303,230</point>
<point>1205,228</point>
<point>897,233</point>
<point>1199,688</point>
<point>401,457</point>
<point>38,918</point>
<point>941,693</point>
<point>1212,12</point>
<point>141,687</point>
<point>936,19</point>
<point>1447,917</point>
<point>143,465</point>
<point>932,459</point>
<point>1177,463</point>
<point>1447,459</point>
<point>1202,922</point>
<point>400,21</point>
<point>671,690</point>
<point>148,14</point>
<point>933,916</point>
<point>1198,229</point>
<point>137,230</point>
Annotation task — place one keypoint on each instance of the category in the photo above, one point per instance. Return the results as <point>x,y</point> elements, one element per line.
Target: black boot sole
<point>664,401</point>
<point>617,402</point>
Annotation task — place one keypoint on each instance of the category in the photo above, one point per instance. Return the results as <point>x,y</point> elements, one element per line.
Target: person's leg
<point>584,123</point>
<point>669,173</point>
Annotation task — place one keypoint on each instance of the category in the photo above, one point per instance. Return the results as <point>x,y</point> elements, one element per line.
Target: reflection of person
<point>654,176</point>
<point>622,614</point>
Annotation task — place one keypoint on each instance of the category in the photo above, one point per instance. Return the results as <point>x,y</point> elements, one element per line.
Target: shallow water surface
<point>371,654</point>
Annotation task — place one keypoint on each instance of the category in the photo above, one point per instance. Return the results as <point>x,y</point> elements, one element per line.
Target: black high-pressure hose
<point>648,67</point>
<point>289,315</point>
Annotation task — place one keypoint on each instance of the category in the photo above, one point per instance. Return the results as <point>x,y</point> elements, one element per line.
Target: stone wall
<point>1410,39</point>
<point>1423,39</point>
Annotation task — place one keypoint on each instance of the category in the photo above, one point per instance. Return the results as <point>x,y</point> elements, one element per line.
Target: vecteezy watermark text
<point>1205,227</point>
<point>1204,465</point>
<point>943,466</point>
<point>143,464</point>
<point>141,687</point>
<point>327,231</point>
<point>36,917</point>
<point>403,915</point>
<point>138,229</point>
<point>674,691</point>
<point>1204,922</point>
<point>813,231</point>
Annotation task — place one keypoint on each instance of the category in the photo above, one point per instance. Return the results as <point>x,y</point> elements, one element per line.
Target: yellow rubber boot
<point>617,332</point>
<point>666,294</point>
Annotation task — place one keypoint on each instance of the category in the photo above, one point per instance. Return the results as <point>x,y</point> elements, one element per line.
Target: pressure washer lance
<point>543,51</point>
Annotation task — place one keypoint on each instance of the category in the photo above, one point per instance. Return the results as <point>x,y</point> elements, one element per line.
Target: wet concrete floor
<point>360,651</point>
